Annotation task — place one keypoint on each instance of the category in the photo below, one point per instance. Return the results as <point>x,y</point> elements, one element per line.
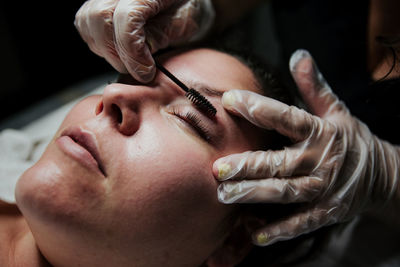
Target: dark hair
<point>380,99</point>
<point>392,43</point>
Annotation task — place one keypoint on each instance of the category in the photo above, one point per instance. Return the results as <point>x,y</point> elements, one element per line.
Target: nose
<point>122,104</point>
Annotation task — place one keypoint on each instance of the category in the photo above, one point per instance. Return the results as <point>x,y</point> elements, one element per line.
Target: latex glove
<point>127,32</point>
<point>337,168</point>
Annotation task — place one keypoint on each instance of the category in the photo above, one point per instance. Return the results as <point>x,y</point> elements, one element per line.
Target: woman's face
<point>128,177</point>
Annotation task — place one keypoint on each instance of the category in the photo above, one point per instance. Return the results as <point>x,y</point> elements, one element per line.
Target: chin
<point>44,193</point>
<point>36,192</point>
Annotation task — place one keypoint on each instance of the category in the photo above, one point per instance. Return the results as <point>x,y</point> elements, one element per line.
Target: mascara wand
<point>195,97</point>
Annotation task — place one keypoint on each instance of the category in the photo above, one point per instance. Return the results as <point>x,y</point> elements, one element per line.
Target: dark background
<point>42,53</point>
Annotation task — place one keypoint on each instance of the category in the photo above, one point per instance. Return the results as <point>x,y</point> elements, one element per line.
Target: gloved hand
<point>336,168</point>
<point>127,32</point>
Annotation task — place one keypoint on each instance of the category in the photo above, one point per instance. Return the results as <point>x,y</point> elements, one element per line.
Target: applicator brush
<point>194,96</point>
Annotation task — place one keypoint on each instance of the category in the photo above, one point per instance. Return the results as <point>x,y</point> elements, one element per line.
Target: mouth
<point>82,146</point>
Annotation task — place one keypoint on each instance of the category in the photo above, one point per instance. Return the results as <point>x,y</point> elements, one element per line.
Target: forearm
<point>229,11</point>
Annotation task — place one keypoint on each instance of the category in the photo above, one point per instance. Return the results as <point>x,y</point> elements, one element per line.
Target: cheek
<point>84,110</point>
<point>160,158</point>
<point>161,175</point>
<point>170,185</point>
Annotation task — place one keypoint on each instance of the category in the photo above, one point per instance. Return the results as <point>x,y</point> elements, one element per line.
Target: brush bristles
<point>201,102</point>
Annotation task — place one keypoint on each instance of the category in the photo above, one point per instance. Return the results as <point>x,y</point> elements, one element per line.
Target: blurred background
<point>42,53</point>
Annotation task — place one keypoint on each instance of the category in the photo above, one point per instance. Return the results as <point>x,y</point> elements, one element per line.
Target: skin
<point>154,201</point>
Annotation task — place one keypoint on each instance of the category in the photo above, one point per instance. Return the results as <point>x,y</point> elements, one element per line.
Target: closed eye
<point>195,122</point>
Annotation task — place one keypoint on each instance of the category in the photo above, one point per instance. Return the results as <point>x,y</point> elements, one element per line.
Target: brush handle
<point>172,77</point>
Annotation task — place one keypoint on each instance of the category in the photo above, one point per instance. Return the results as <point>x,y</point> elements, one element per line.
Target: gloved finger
<point>296,225</point>
<point>270,114</point>
<point>129,20</point>
<point>313,87</point>
<point>262,164</point>
<point>82,23</point>
<point>271,190</point>
<point>94,20</point>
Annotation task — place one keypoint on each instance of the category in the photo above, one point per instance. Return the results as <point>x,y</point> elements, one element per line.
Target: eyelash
<point>195,122</point>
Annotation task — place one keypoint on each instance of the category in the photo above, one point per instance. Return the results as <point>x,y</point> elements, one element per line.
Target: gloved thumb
<point>314,89</point>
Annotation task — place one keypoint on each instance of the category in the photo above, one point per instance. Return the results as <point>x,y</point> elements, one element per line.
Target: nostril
<point>117,112</point>
<point>99,108</point>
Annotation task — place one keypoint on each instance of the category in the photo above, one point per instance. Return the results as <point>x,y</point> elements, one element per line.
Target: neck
<point>18,246</point>
<point>25,253</point>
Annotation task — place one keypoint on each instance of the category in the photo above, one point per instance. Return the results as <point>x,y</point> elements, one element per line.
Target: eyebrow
<point>204,89</point>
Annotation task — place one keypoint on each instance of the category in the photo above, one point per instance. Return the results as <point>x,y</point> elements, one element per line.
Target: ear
<point>234,249</point>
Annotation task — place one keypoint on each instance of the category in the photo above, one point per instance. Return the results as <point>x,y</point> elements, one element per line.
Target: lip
<point>81,145</point>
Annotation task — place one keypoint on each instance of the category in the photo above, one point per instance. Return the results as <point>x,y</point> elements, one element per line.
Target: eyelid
<point>194,121</point>
<point>216,127</point>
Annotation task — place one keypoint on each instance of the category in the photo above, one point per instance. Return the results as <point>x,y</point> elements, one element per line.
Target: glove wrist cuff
<point>386,163</point>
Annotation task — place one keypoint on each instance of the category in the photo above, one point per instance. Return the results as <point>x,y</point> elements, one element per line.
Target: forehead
<point>218,70</point>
